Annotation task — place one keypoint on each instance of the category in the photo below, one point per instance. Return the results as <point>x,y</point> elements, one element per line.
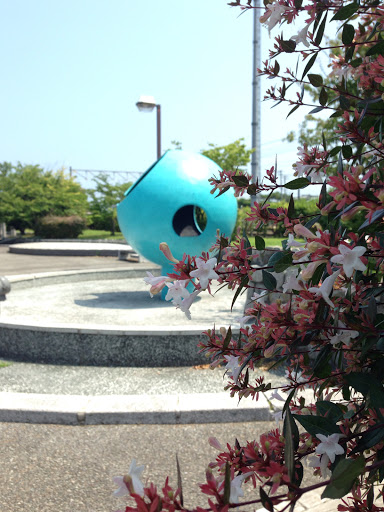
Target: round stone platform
<point>105,318</point>
<point>60,248</point>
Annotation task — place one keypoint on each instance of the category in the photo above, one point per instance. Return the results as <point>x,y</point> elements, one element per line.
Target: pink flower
<point>350,259</point>
<point>330,446</point>
<point>186,303</point>
<point>177,292</point>
<point>326,288</point>
<point>130,482</point>
<point>204,271</point>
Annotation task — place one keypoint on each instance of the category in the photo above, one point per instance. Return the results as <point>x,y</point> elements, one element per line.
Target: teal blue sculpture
<point>172,202</point>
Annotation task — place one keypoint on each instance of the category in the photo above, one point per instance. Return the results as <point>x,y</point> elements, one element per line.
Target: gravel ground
<point>51,468</point>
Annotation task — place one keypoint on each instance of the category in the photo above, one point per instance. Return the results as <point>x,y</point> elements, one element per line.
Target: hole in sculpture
<point>190,220</point>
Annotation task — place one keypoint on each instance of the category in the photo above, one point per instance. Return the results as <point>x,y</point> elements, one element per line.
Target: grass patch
<point>96,234</point>
<point>4,364</point>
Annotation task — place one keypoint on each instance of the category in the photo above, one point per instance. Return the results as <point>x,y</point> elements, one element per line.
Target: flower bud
<point>164,248</point>
<point>328,208</point>
<point>308,272</point>
<point>215,443</point>
<point>157,288</point>
<point>351,213</point>
<point>302,231</point>
<point>314,246</point>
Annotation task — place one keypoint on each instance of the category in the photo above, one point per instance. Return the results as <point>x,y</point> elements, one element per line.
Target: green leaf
<point>291,436</point>
<point>321,367</point>
<point>334,151</point>
<point>288,46</point>
<point>346,151</point>
<point>243,283</point>
<point>291,207</point>
<point>340,164</point>
<point>227,484</point>
<point>283,263</point>
<point>297,183</point>
<point>316,276</point>
<point>370,438</point>
<point>240,181</point>
<point>259,243</point>
<point>320,31</point>
<point>266,500</point>
<point>346,11</point>
<point>344,103</point>
<point>310,63</point>
<point>227,339</point>
<point>378,215</point>
<point>179,480</point>
<point>269,280</point>
<point>359,381</point>
<point>348,34</point>
<point>376,49</point>
<point>317,424</point>
<point>329,410</point>
<point>323,98</point>
<point>276,256</point>
<point>316,80</point>
<point>343,477</point>
<point>372,309</point>
<point>293,110</point>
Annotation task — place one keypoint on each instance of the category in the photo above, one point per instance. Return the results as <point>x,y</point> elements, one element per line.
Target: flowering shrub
<point>330,331</point>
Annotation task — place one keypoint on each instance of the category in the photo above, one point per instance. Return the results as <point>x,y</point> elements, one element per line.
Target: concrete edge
<point>156,330</point>
<point>130,409</point>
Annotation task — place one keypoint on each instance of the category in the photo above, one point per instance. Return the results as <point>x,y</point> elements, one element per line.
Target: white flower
<point>236,490</point>
<point>277,10</point>
<point>232,367</point>
<point>342,336</point>
<point>329,445</point>
<point>243,320</point>
<point>152,280</point>
<point>157,283</point>
<point>292,283</point>
<point>301,169</point>
<point>130,482</point>
<point>292,242</point>
<point>319,462</point>
<point>276,396</point>
<point>186,303</point>
<point>301,37</point>
<point>279,416</point>
<point>259,296</point>
<point>177,292</point>
<point>350,259</point>
<point>205,271</point>
<point>317,176</point>
<point>325,288</point>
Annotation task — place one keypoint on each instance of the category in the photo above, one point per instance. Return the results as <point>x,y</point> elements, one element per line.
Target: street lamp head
<point>146,103</point>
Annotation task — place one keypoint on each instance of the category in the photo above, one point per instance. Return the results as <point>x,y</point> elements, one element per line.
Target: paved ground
<point>59,468</point>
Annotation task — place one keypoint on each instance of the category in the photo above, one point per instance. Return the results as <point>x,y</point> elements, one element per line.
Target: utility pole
<point>256,97</point>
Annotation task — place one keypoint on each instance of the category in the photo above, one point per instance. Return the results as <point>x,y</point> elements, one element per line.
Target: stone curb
<point>130,409</point>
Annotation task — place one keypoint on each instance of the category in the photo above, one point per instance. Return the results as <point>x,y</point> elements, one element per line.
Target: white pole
<point>256,97</point>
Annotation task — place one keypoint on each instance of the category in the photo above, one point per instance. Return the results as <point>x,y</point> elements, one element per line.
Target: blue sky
<point>73,71</point>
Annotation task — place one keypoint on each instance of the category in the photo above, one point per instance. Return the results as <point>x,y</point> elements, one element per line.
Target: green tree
<point>28,193</point>
<point>103,200</point>
<point>230,157</point>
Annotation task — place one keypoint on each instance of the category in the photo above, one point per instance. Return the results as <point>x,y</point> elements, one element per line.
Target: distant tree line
<point>29,194</point>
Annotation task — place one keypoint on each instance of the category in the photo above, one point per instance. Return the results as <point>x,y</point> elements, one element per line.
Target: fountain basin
<point>104,318</point>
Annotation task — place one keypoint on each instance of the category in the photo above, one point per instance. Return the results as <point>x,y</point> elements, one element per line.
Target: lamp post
<point>147,104</point>
<point>256,114</point>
